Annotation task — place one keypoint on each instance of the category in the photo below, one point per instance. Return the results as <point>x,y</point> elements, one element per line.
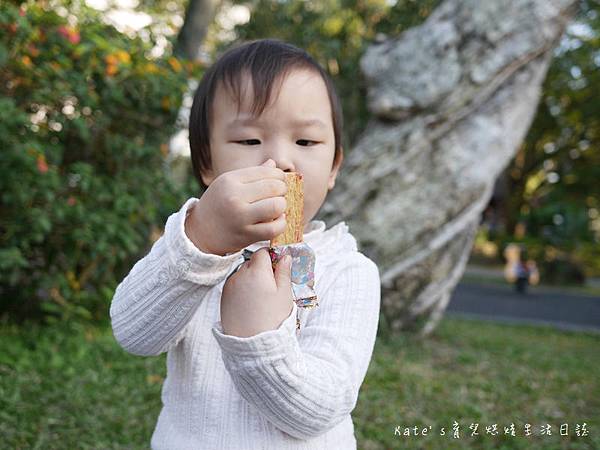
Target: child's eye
<point>246,142</point>
<point>301,142</point>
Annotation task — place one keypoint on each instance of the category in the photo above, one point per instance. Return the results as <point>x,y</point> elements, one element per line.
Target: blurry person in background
<point>519,269</point>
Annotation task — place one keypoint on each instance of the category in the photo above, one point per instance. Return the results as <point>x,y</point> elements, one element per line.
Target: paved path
<point>542,306</point>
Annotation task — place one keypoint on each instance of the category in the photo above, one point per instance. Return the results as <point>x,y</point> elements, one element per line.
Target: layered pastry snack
<point>291,242</point>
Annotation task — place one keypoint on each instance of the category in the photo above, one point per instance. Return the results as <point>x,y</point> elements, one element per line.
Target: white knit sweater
<point>280,389</point>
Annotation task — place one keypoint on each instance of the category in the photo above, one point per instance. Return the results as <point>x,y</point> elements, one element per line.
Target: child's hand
<point>239,208</point>
<point>255,299</point>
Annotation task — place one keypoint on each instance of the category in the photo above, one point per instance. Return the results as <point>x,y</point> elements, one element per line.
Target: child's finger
<point>262,189</point>
<point>283,272</point>
<point>266,230</point>
<point>254,173</point>
<point>269,163</point>
<point>265,210</point>
<point>260,258</point>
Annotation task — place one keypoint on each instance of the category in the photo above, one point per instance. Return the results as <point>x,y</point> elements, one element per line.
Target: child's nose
<point>282,158</point>
<point>286,167</point>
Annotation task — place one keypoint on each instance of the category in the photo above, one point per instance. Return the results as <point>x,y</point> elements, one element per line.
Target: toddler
<point>240,375</point>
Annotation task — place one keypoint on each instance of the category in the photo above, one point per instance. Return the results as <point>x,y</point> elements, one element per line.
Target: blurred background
<point>94,103</point>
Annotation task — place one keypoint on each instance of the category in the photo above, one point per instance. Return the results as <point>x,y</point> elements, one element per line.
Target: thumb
<point>283,272</point>
<point>269,163</point>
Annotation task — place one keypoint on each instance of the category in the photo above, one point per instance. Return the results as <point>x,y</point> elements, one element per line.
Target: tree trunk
<point>452,100</point>
<point>199,14</point>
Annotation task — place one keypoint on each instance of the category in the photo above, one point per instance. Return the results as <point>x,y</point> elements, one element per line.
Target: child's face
<point>277,134</point>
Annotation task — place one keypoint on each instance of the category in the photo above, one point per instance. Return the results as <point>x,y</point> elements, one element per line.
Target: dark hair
<point>266,61</point>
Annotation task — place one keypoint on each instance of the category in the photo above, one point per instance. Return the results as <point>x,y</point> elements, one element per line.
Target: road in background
<point>493,301</point>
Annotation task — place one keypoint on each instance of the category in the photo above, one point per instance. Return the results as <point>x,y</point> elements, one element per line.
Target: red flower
<point>63,31</point>
<point>71,200</point>
<point>70,34</point>
<point>74,37</point>
<point>42,165</point>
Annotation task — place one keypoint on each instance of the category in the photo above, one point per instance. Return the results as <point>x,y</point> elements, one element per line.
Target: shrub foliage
<point>85,116</point>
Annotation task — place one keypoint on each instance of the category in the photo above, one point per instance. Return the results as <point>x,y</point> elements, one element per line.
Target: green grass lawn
<point>80,390</point>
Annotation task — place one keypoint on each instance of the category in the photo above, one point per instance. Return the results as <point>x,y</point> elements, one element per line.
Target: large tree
<point>451,101</point>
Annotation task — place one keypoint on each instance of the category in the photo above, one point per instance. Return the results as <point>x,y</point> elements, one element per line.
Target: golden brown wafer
<point>294,212</point>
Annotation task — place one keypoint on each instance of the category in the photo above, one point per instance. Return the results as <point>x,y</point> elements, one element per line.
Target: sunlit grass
<point>477,372</point>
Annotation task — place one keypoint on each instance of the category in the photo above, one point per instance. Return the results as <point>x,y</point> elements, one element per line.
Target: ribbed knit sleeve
<point>156,300</point>
<point>307,384</point>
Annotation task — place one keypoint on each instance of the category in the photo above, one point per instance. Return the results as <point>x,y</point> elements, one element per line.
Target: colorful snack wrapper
<point>303,271</point>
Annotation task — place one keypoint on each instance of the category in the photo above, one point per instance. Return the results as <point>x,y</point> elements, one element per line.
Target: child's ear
<point>335,169</point>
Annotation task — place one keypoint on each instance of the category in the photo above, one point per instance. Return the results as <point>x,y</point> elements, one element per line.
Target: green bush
<point>85,117</point>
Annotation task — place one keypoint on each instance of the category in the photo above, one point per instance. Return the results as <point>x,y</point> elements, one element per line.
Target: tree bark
<point>452,99</point>
<point>199,14</point>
